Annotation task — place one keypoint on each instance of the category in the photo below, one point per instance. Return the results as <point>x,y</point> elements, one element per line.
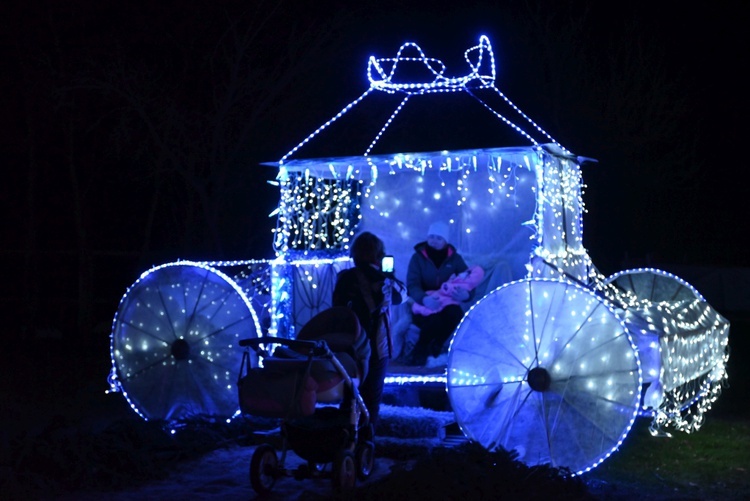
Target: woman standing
<point>370,292</point>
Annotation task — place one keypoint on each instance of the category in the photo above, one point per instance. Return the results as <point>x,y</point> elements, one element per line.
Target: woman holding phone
<point>369,291</point>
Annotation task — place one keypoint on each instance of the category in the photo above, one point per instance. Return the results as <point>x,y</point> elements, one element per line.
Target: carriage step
<point>451,441</point>
<point>427,396</point>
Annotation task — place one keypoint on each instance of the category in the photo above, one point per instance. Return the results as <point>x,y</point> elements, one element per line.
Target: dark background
<point>133,132</point>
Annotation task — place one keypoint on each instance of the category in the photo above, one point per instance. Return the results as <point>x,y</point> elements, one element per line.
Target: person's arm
<point>398,290</point>
<point>343,290</point>
<point>460,264</point>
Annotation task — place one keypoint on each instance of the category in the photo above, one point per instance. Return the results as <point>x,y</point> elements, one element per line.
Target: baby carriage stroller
<point>310,383</point>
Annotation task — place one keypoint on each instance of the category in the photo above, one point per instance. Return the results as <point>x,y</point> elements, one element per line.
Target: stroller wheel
<point>364,457</point>
<point>263,469</point>
<point>344,472</point>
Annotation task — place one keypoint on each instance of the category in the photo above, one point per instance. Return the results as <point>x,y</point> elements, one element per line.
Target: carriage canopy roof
<point>370,167</point>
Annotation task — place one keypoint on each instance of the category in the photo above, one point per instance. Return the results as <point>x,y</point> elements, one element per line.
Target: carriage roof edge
<point>367,167</point>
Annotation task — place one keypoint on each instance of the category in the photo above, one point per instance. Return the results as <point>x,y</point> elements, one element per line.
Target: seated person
<point>433,263</point>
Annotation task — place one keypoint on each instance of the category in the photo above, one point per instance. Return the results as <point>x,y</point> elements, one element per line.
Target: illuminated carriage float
<point>552,359</point>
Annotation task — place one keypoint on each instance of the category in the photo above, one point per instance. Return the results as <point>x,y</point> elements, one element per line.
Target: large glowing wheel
<point>174,342</point>
<point>654,285</point>
<point>545,368</point>
<point>652,288</point>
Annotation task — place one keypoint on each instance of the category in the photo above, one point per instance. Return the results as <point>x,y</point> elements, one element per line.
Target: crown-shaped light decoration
<point>385,75</point>
<point>381,72</point>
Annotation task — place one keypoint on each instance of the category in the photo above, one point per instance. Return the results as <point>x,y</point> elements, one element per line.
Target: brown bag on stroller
<point>297,375</point>
<point>283,389</point>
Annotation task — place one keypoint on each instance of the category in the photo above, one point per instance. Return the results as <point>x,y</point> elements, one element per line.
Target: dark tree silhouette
<point>142,143</point>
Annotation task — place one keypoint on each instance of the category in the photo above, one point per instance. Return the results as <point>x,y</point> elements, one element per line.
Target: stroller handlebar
<point>315,348</point>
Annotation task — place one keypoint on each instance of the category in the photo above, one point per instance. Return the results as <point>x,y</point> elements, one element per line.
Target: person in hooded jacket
<point>369,293</point>
<point>433,263</point>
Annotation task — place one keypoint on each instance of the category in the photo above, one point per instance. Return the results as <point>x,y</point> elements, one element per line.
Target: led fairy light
<point>301,287</point>
<point>600,344</point>
<point>559,221</point>
<point>382,74</point>
<point>513,125</point>
<point>690,357</point>
<point>434,67</point>
<point>556,350</point>
<point>315,213</point>
<point>421,379</point>
<point>254,277</point>
<point>386,125</point>
<point>174,343</point>
<point>296,224</point>
<point>325,125</point>
<point>691,349</point>
<point>556,224</point>
<point>299,220</point>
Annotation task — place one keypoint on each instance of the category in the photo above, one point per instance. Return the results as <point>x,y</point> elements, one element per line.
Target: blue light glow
<point>545,321</point>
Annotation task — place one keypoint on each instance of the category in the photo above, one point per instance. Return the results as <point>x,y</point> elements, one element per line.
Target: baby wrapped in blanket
<point>438,299</point>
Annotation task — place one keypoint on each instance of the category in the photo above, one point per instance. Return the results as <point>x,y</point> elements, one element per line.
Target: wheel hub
<point>539,379</point>
<point>180,349</point>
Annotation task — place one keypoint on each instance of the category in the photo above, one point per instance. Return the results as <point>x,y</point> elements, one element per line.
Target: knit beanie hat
<point>439,229</point>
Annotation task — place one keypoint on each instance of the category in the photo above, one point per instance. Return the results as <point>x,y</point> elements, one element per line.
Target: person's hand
<point>387,290</point>
<point>387,284</point>
<point>459,294</point>
<point>431,303</point>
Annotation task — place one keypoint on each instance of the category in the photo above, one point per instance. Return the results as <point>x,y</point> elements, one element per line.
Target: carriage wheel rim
<point>545,368</point>
<point>174,343</point>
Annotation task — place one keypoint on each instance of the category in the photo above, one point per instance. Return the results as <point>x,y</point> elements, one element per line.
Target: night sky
<point>132,132</point>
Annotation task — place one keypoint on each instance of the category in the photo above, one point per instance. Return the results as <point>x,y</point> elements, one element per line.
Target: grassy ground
<point>709,464</point>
